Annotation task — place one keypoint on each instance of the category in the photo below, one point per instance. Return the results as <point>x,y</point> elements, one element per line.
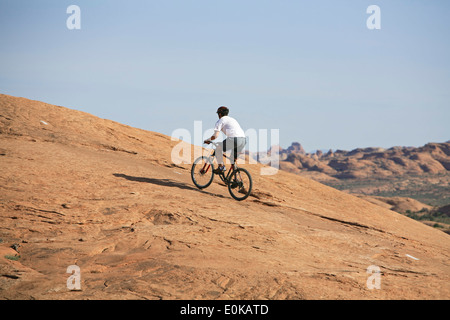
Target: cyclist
<point>235,137</point>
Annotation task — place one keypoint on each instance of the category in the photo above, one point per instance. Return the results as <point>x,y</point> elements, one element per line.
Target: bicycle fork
<point>207,166</point>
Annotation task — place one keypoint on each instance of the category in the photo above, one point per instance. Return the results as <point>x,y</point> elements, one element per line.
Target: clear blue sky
<point>309,68</point>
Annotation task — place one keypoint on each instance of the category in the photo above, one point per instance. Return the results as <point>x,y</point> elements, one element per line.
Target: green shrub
<point>14,258</point>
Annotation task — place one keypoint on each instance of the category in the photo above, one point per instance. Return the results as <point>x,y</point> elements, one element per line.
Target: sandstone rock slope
<point>80,190</point>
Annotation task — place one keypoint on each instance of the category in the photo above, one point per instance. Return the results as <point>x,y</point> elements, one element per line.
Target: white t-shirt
<point>230,127</point>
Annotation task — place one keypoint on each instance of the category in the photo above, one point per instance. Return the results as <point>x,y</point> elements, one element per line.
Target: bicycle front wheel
<point>240,184</point>
<point>202,173</point>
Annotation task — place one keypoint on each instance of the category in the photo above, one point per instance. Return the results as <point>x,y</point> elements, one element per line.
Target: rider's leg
<point>239,145</point>
<point>219,152</point>
<point>219,155</point>
<point>230,144</point>
<point>234,144</point>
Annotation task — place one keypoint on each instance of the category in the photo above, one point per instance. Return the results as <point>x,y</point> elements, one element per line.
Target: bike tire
<point>240,184</point>
<point>202,180</point>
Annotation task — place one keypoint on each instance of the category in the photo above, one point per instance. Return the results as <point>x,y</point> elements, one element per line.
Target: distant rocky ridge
<point>362,163</point>
<point>421,173</point>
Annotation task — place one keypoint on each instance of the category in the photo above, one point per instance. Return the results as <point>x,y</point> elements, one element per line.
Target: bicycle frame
<point>225,178</point>
<point>238,180</point>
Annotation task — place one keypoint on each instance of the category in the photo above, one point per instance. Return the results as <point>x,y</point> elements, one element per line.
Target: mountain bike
<point>238,180</point>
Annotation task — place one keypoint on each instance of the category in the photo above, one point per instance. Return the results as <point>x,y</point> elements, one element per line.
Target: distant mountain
<point>362,163</point>
<point>421,173</point>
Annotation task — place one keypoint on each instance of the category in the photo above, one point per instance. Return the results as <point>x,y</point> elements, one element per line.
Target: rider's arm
<point>213,137</point>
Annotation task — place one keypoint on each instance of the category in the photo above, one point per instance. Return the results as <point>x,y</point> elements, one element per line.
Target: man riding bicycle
<point>235,137</point>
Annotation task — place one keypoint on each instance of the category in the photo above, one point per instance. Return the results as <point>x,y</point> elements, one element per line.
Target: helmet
<point>223,111</point>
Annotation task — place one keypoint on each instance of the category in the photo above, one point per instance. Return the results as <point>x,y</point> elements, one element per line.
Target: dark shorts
<point>235,144</point>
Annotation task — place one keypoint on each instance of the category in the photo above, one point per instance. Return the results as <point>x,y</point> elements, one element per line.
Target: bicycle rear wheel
<point>240,184</point>
<point>202,172</point>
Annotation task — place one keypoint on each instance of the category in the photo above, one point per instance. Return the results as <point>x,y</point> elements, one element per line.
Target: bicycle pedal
<point>220,170</point>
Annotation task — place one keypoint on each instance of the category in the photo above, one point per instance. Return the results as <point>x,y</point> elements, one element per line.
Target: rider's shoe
<point>220,170</point>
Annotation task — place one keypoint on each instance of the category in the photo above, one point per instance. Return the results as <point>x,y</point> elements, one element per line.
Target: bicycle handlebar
<point>213,143</point>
